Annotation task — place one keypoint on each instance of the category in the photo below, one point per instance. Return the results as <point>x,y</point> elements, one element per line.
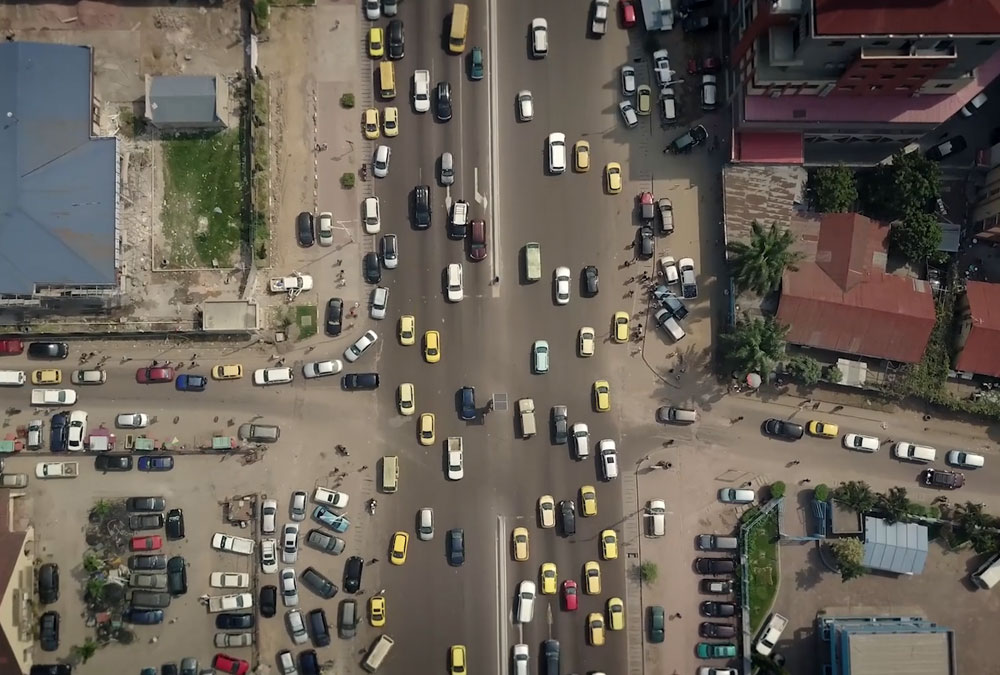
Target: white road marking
<point>494,78</point>
<point>447,197</point>
<point>501,560</point>
<point>480,198</point>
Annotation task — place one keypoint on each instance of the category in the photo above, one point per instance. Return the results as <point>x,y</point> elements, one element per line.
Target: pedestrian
<point>670,465</point>
<point>746,485</point>
<point>155,363</point>
<point>374,560</point>
<point>740,418</point>
<point>364,467</point>
<point>630,293</point>
<point>671,442</point>
<point>805,480</point>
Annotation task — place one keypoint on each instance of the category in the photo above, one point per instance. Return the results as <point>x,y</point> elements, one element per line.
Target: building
<point>978,339</point>
<point>186,102</point>
<point>17,592</point>
<point>899,548</point>
<point>59,188</point>
<point>986,210</point>
<point>865,641</point>
<point>803,65</point>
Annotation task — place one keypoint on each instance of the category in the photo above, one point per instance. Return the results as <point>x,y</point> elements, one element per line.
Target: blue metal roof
<point>58,186</point>
<point>899,547</point>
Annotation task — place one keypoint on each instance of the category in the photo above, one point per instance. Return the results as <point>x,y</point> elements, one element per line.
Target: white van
<point>557,152</point>
<point>656,513</point>
<point>390,473</point>
<point>988,574</point>
<point>921,454</point>
<point>12,378</point>
<point>525,601</point>
<point>379,650</point>
<point>668,105</point>
<point>709,92</point>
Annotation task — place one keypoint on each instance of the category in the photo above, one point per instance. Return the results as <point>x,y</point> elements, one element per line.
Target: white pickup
<point>57,469</point>
<point>226,542</point>
<point>228,603</point>
<point>600,24</point>
<point>771,633</point>
<point>229,580</point>
<point>53,397</point>
<point>294,283</point>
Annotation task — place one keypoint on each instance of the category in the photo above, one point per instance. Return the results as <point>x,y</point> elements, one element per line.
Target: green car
<point>476,64</point>
<point>708,650</point>
<point>657,623</point>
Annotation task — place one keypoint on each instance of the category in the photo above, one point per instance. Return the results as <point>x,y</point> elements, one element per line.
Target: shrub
<point>347,100</point>
<point>832,374</point>
<point>347,180</point>
<point>821,492</point>
<point>806,369</point>
<point>777,489</point>
<point>648,572</point>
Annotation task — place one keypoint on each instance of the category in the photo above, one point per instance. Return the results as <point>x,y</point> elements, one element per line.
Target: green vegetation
<point>84,652</point>
<point>260,169</point>
<point>648,572</point>
<point>833,189</point>
<point>203,199</point>
<point>753,345</point>
<point>261,14</point>
<point>805,369</point>
<point>778,489</point>
<point>917,236</point>
<point>762,567</point>
<point>347,101</point>
<point>856,495</point>
<point>130,124</point>
<point>758,265</point>
<point>850,553</point>
<point>347,180</point>
<point>305,320</point>
<point>910,183</point>
<point>821,492</point>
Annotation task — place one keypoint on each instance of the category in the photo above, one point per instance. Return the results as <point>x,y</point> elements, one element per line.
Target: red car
<point>628,13</point>
<point>154,374</point>
<point>477,240</point>
<point>227,664</point>
<point>153,543</point>
<point>11,346</point>
<point>569,595</point>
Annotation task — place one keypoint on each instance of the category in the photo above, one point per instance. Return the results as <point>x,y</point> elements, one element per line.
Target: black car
<point>590,280</point>
<point>467,399</point>
<point>304,229</point>
<point>268,601</point>
<point>947,148</point>
<point>560,424</point>
<point>318,584</point>
<point>48,631</point>
<point>714,566</point>
<point>362,381</point>
<point>712,608</point>
<point>319,628</point>
<point>168,669</point>
<point>353,569</point>
<point>789,431</point>
<point>567,510</point>
<point>143,617</point>
<point>443,104</point>
<point>107,463</point>
<point>396,40</point>
<point>48,583</point>
<point>140,504</point>
<point>422,206</point>
<point>308,662</point>
<point>48,350</point>
<point>686,6</point>
<point>371,268</point>
<point>334,316</point>
<point>551,650</point>
<point>644,242</point>
<point>58,430</point>
<point>695,24</point>
<point>147,562</point>
<point>716,630</point>
<point>51,669</point>
<point>177,576</point>
<point>231,621</point>
<point>941,478</point>
<point>456,546</point>
<point>175,524</point>
<point>152,521</point>
<point>689,140</point>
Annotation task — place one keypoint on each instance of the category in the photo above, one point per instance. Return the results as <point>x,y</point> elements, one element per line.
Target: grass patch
<point>261,14</point>
<point>203,197</point>
<point>305,320</point>
<point>261,172</point>
<point>762,566</point>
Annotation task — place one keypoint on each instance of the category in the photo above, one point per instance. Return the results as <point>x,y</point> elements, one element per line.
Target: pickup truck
<point>226,542</point>
<point>13,480</point>
<point>599,26</point>
<point>229,603</point>
<point>53,397</point>
<point>229,580</point>
<point>57,469</point>
<point>294,283</point>
<point>459,220</point>
<point>771,633</point>
<point>526,412</point>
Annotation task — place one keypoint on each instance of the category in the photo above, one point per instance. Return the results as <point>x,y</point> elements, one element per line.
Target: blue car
<point>58,429</point>
<point>468,398</point>
<point>145,617</point>
<point>164,463</point>
<point>332,520</point>
<point>191,382</point>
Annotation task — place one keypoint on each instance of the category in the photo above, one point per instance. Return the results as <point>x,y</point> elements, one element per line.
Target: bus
<point>387,79</point>
<point>459,28</point>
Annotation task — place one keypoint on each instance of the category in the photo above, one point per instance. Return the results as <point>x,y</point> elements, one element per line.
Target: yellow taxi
<point>397,551</point>
<point>376,610</point>
<point>407,398</point>
<point>456,660</point>
<point>231,371</point>
<point>376,42</point>
<point>609,545</point>
<point>592,578</point>
<point>644,99</point>
<point>581,156</point>
<point>620,322</point>
<point>616,614</point>
<point>547,511</point>
<point>550,578</point>
<point>390,121</point>
<point>823,429</point>
<point>602,396</point>
<point>46,376</point>
<point>426,428</point>
<point>519,539</point>
<point>432,346</point>
<point>407,330</point>
<point>613,178</point>
<point>588,500</point>
<point>370,123</point>
<point>595,629</point>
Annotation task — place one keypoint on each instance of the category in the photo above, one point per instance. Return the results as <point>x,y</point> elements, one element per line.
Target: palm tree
<point>754,345</point>
<point>856,495</point>
<point>85,651</point>
<point>894,503</point>
<point>979,526</point>
<point>758,265</point>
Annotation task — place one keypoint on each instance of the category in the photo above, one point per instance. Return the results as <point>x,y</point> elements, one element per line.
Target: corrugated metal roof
<point>908,17</point>
<point>981,353</point>
<point>899,547</point>
<point>769,147</point>
<point>58,186</point>
<point>183,99</point>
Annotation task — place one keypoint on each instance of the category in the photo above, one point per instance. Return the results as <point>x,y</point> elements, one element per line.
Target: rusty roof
<point>981,354</point>
<point>907,17</point>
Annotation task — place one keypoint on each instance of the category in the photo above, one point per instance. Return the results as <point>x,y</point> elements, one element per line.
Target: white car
<point>297,507</point>
<point>229,580</point>
<point>861,443</point>
<point>354,352</point>
<point>557,152</point>
<point>372,10</point>
<point>521,658</point>
<point>289,589</point>
<point>268,516</point>
<point>708,670</point>
<point>580,438</point>
<point>966,460</point>
<point>453,282</point>
<point>290,543</point>
<point>132,420</point>
<point>629,115</point>
<point>324,229</point>
<point>525,106</point>
<point>628,81</point>
<point>425,524</point>
<point>371,216</point>
<point>609,459</point>
<point>539,38</point>
<point>737,496</point>
<point>77,430</point>
<point>268,556</point>
<point>668,267</point>
<point>390,7</point>
<point>380,165</point>
<point>525,601</point>
<point>661,65</point>
<point>269,376</point>
<point>315,369</point>
<point>390,251</point>
<point>380,302</point>
<point>587,341</point>
<point>422,91</point>
<point>975,104</point>
<point>331,498</point>
<point>562,279</point>
<point>456,464</point>
<point>297,627</point>
<point>709,92</point>
<point>223,640</point>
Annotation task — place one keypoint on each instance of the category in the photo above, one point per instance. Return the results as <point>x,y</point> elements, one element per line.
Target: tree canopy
<point>917,236</point>
<point>757,265</point>
<point>834,189</point>
<point>753,345</point>
<point>911,183</point>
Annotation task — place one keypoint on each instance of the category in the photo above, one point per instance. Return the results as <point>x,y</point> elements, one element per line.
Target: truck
<point>526,412</point>
<point>57,470</point>
<point>293,284</point>
<point>770,634</point>
<point>658,15</point>
<point>459,220</point>
<point>599,26</point>
<point>231,544</point>
<point>53,397</point>
<point>229,603</point>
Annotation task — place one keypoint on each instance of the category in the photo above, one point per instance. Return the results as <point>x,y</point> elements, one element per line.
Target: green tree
<point>85,651</point>
<point>978,526</point>
<point>648,572</point>
<point>911,183</point>
<point>849,553</point>
<point>821,492</point>
<point>92,563</point>
<point>894,503</point>
<point>95,586</point>
<point>856,495</point>
<point>102,508</point>
<point>805,369</point>
<point>917,236</point>
<point>777,489</point>
<point>753,345</point>
<point>832,374</point>
<point>758,265</point>
<point>834,189</point>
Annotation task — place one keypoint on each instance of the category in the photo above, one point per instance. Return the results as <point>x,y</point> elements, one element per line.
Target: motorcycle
<point>364,172</point>
<point>371,506</point>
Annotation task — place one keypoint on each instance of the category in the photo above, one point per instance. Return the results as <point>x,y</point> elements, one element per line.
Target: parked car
<point>175,524</point>
<point>48,631</point>
<point>304,229</point>
<point>942,478</point>
<point>783,429</point>
<point>48,583</point>
<point>946,149</point>
<point>48,350</point>
<point>110,462</point>
<point>715,566</point>
<point>162,463</point>
<point>714,608</point>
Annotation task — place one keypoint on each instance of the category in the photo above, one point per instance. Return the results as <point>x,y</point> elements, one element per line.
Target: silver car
<point>290,543</point>
<point>525,106</point>
<point>447,169</point>
<point>315,369</point>
<point>298,506</point>
<point>296,626</point>
<point>380,165</point>
<point>289,589</point>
